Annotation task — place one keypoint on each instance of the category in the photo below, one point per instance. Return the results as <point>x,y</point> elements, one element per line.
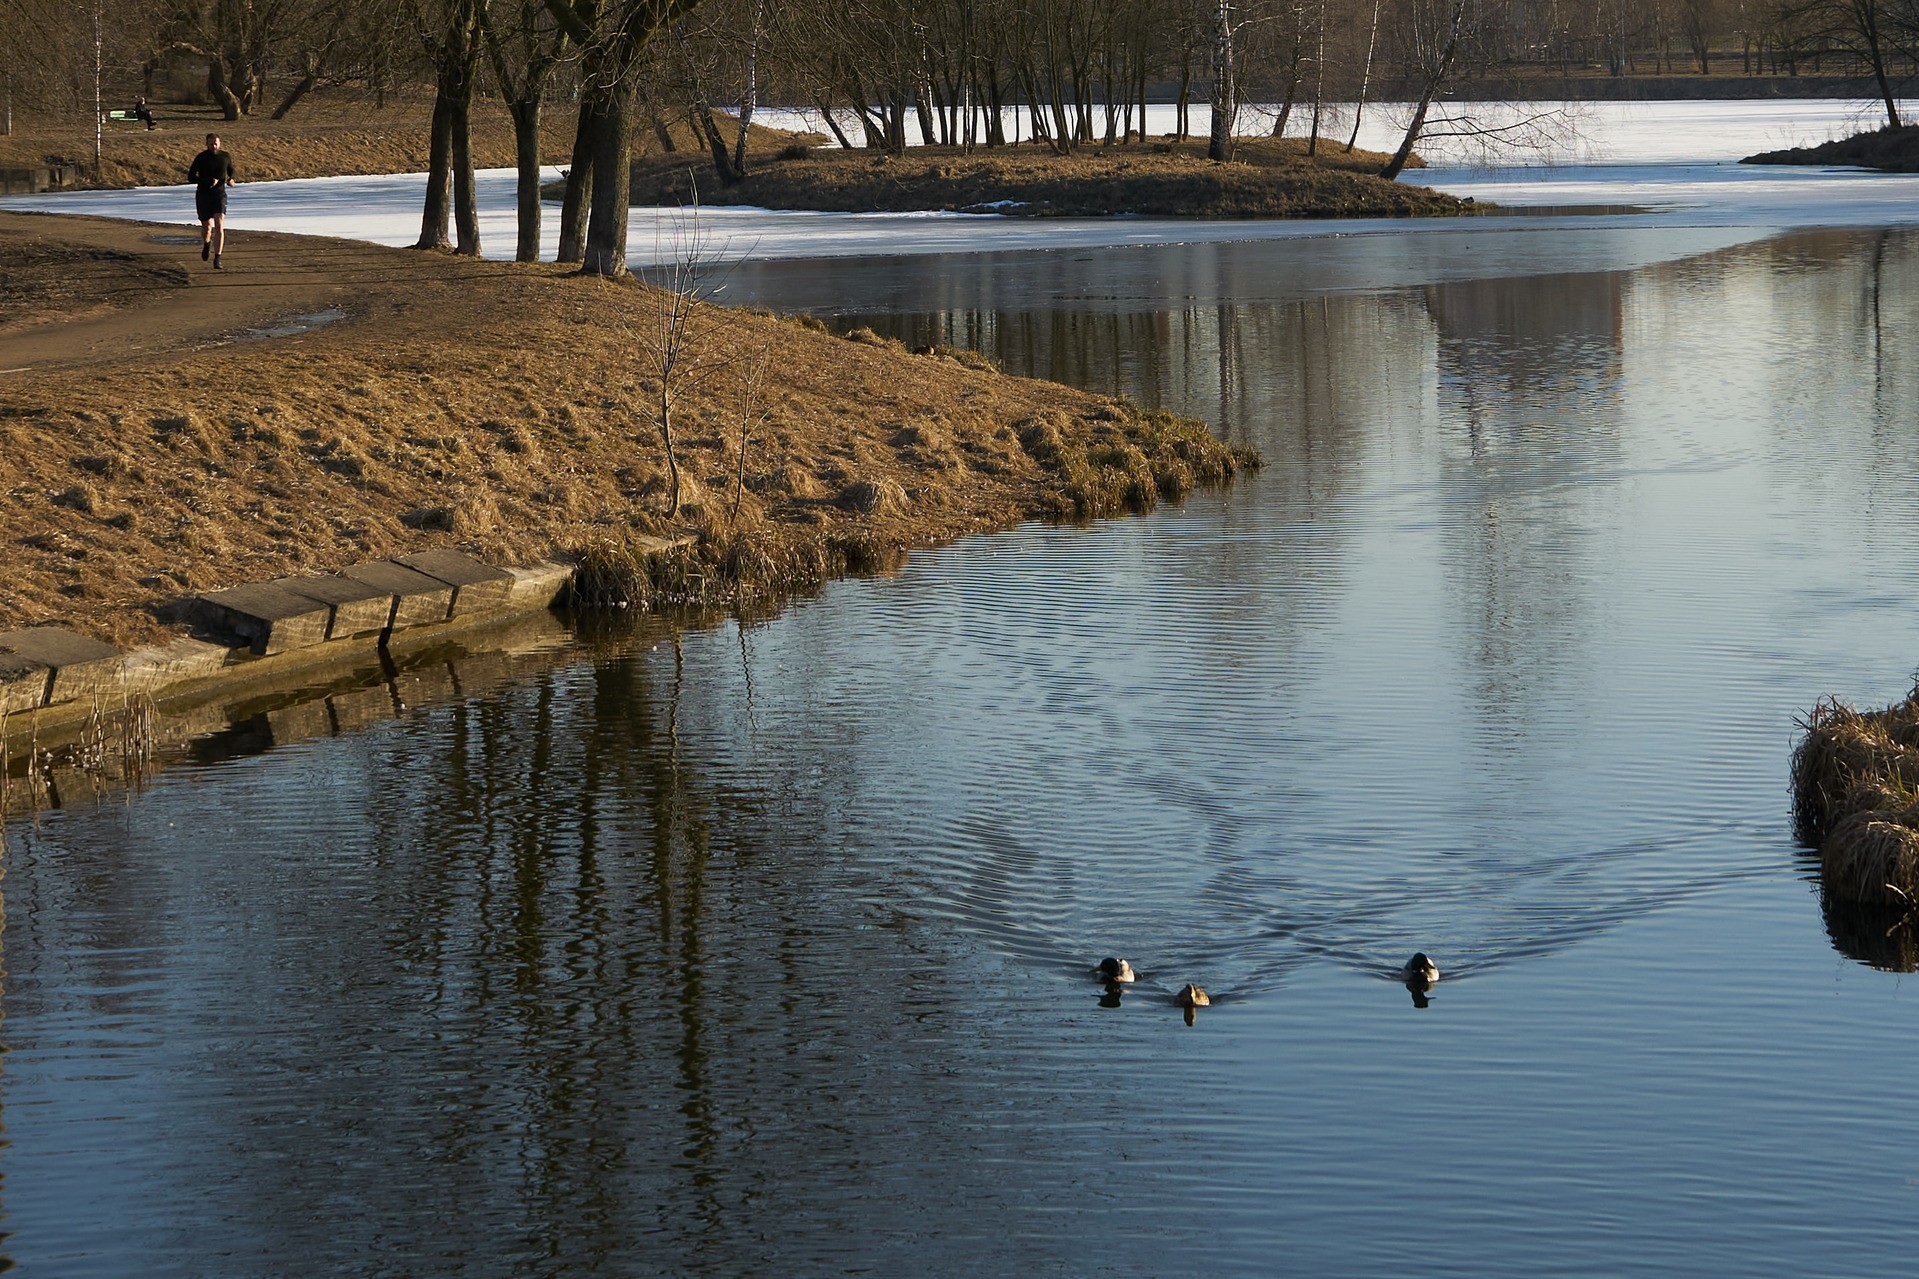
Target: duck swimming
<point>1111,969</point>
<point>1419,971</point>
<point>1191,996</point>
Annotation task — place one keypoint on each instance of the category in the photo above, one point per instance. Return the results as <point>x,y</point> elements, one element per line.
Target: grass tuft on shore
<point>1855,780</point>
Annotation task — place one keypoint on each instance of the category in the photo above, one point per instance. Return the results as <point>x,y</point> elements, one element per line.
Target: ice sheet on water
<point>1644,144</point>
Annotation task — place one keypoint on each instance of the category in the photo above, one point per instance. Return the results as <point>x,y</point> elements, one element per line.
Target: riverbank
<point>1268,178</point>
<point>167,430</point>
<point>1888,150</point>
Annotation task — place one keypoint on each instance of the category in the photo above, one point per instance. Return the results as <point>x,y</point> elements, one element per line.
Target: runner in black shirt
<point>211,174</point>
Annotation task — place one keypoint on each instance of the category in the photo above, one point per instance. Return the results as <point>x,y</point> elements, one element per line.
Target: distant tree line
<point>882,73</point>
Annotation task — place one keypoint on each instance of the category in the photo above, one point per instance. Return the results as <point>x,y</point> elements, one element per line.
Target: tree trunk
<point>708,128</point>
<point>1225,108</point>
<point>1866,12</point>
<point>466,203</point>
<point>750,100</point>
<point>1365,80</point>
<point>839,134</point>
<point>1183,101</point>
<point>293,97</point>
<point>579,181</point>
<point>672,453</point>
<point>526,154</point>
<point>219,90</point>
<point>439,177</point>
<point>612,177</point>
<point>1396,165</point>
<point>921,109</point>
<point>1286,106</point>
<point>1319,82</point>
<point>995,97</point>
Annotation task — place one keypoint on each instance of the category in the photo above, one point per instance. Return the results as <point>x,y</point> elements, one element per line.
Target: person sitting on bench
<point>141,113</point>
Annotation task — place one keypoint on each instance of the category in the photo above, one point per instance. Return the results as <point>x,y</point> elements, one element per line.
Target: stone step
<point>272,620</point>
<point>68,666</point>
<point>478,586</point>
<point>23,683</point>
<point>355,608</point>
<point>418,597</point>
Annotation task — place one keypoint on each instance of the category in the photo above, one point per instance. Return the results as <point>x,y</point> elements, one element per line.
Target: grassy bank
<point>1890,150</point>
<point>1269,178</point>
<point>506,410</point>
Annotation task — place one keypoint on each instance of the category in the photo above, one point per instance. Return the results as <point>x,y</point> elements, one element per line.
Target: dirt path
<point>163,299</point>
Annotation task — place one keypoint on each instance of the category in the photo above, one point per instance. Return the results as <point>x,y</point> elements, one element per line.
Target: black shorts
<point>209,202</point>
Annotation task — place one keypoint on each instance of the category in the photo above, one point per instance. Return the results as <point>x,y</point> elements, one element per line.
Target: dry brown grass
<point>503,409</point>
<point>1853,761</point>
<point>1855,777</point>
<point>1269,178</point>
<point>1873,857</point>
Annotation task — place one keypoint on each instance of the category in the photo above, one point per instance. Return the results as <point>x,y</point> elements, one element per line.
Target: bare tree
<point>617,33</point>
<point>1867,30</point>
<point>1225,104</point>
<point>450,33</point>
<point>524,55</point>
<point>674,337</point>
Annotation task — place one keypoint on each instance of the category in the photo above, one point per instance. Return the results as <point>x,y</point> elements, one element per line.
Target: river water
<point>763,949</point>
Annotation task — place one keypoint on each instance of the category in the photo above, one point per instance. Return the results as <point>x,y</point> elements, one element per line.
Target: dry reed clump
<point>964,356</point>
<point>1873,857</point>
<point>1855,780</point>
<point>790,480</point>
<point>872,497</point>
<point>1853,761</point>
<point>1136,458</point>
<point>722,566</point>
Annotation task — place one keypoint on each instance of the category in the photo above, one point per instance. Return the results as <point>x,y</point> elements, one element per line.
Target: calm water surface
<point>763,951</point>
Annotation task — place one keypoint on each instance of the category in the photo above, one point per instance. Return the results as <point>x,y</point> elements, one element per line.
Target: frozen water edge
<point>1745,203</point>
<point>1735,203</point>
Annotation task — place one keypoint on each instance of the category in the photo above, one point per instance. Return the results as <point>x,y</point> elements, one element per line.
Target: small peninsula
<point>1267,178</point>
<point>1889,149</point>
